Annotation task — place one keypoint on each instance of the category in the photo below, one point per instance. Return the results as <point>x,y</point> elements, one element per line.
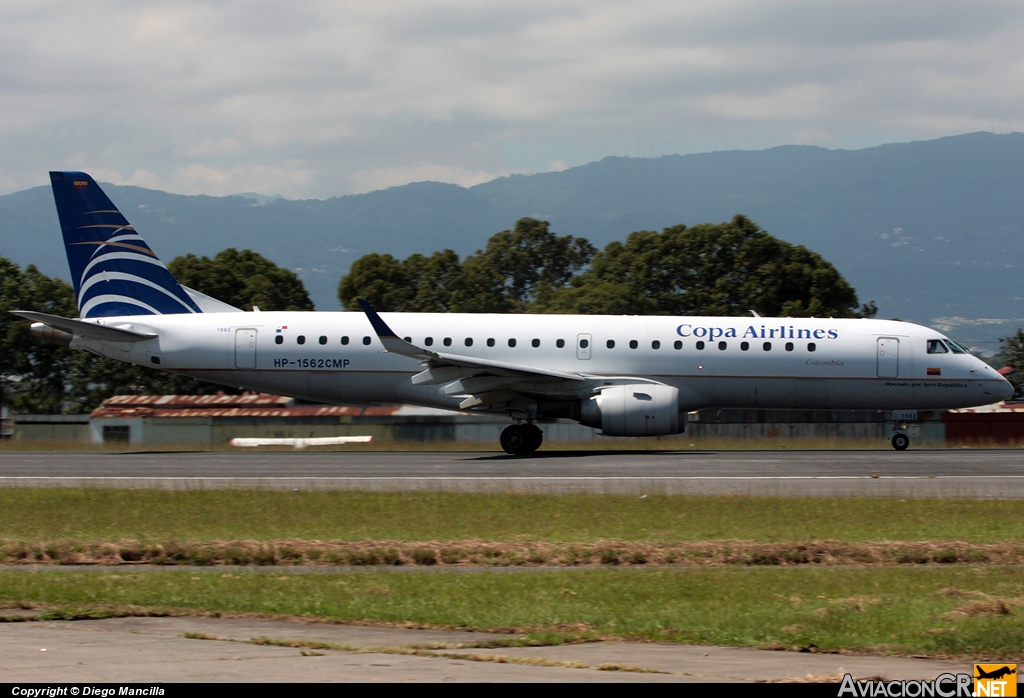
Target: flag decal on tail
<point>114,271</point>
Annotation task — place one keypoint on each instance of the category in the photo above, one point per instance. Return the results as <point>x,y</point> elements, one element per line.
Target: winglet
<point>379,326</point>
<point>389,339</point>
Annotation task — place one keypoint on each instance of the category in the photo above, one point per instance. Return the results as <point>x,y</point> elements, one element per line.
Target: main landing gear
<point>521,439</point>
<point>900,442</point>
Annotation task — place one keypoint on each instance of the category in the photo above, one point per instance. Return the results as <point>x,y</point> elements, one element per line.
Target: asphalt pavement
<point>920,473</point>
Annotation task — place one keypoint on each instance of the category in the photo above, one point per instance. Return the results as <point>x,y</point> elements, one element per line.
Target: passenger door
<point>245,348</point>
<point>583,342</point>
<point>888,357</point>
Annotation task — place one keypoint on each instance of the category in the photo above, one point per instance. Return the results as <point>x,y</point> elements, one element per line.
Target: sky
<point>320,99</point>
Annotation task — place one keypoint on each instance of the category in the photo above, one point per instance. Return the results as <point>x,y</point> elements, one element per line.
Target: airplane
<point>624,375</point>
<point>995,673</point>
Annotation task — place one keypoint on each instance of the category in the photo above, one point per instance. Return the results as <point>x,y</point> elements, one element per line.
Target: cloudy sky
<point>318,99</point>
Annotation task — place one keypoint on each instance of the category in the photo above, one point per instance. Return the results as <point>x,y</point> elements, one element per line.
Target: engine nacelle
<point>638,409</point>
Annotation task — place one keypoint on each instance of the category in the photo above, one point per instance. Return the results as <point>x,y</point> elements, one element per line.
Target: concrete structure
<point>811,424</point>
<point>50,427</point>
<point>216,419</point>
<point>999,423</point>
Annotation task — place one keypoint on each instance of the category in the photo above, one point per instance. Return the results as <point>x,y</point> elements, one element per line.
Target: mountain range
<point>932,231</point>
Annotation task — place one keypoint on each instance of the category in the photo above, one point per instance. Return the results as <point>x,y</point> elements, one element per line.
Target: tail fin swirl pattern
<point>114,271</point>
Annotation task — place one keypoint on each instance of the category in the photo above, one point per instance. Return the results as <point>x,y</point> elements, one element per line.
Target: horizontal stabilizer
<point>85,330</point>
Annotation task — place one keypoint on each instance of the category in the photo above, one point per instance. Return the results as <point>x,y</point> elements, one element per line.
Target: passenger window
<point>301,339</point>
<point>323,339</point>
<point>633,344</point>
<point>278,339</point>
<point>366,341</point>
<point>344,340</point>
<point>428,341</point>
<point>722,346</point>
<point>700,346</point>
<point>535,343</point>
<point>678,344</point>
<point>447,341</point>
<point>744,346</point>
<point>812,346</point>
<point>560,343</point>
<point>610,344</point>
<point>469,341</point>
<point>511,342</point>
<point>584,344</point>
<point>789,346</point>
<point>490,342</point>
<point>767,346</point>
<point>408,339</point>
<point>935,346</point>
<point>655,344</point>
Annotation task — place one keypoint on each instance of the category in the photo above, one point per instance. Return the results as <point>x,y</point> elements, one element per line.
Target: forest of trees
<point>712,269</point>
<point>729,268</point>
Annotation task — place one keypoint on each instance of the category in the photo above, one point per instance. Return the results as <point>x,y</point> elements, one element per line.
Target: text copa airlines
<point>713,333</point>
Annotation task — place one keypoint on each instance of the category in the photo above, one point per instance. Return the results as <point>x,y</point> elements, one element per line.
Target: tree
<point>725,269</point>
<point>515,267</point>
<point>1013,352</point>
<point>378,278</point>
<point>33,374</point>
<point>244,279</point>
<point>532,260</point>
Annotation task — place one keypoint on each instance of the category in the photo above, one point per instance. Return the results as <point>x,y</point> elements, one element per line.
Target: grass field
<point>150,516</point>
<point>936,611</point>
<point>971,609</point>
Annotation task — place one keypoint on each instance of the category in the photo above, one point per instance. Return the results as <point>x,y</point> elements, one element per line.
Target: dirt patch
<point>488,553</point>
<point>984,609</point>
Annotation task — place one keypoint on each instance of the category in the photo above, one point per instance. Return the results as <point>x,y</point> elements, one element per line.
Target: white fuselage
<point>854,364</point>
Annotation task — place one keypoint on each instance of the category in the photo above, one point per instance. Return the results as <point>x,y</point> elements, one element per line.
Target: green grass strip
<point>152,516</point>
<point>954,612</point>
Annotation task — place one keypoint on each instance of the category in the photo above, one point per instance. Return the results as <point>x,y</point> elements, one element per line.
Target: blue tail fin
<point>113,270</point>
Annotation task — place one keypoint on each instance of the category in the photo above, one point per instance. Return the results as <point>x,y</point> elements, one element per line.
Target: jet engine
<point>638,409</point>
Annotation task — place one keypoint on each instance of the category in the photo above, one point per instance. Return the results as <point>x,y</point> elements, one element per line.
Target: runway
<point>996,473</point>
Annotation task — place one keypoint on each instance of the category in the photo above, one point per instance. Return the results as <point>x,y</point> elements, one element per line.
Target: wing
<point>485,382</point>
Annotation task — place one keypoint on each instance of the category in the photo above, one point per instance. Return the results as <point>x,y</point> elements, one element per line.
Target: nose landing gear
<point>521,439</point>
<point>900,442</point>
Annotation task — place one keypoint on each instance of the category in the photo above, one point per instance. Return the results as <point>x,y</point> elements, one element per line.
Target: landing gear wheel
<point>520,439</point>
<point>900,442</point>
<point>535,435</point>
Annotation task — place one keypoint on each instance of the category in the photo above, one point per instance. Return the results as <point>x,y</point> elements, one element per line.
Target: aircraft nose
<point>1004,391</point>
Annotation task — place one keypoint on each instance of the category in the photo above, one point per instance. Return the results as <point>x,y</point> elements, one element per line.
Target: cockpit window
<point>935,346</point>
<point>957,349</point>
